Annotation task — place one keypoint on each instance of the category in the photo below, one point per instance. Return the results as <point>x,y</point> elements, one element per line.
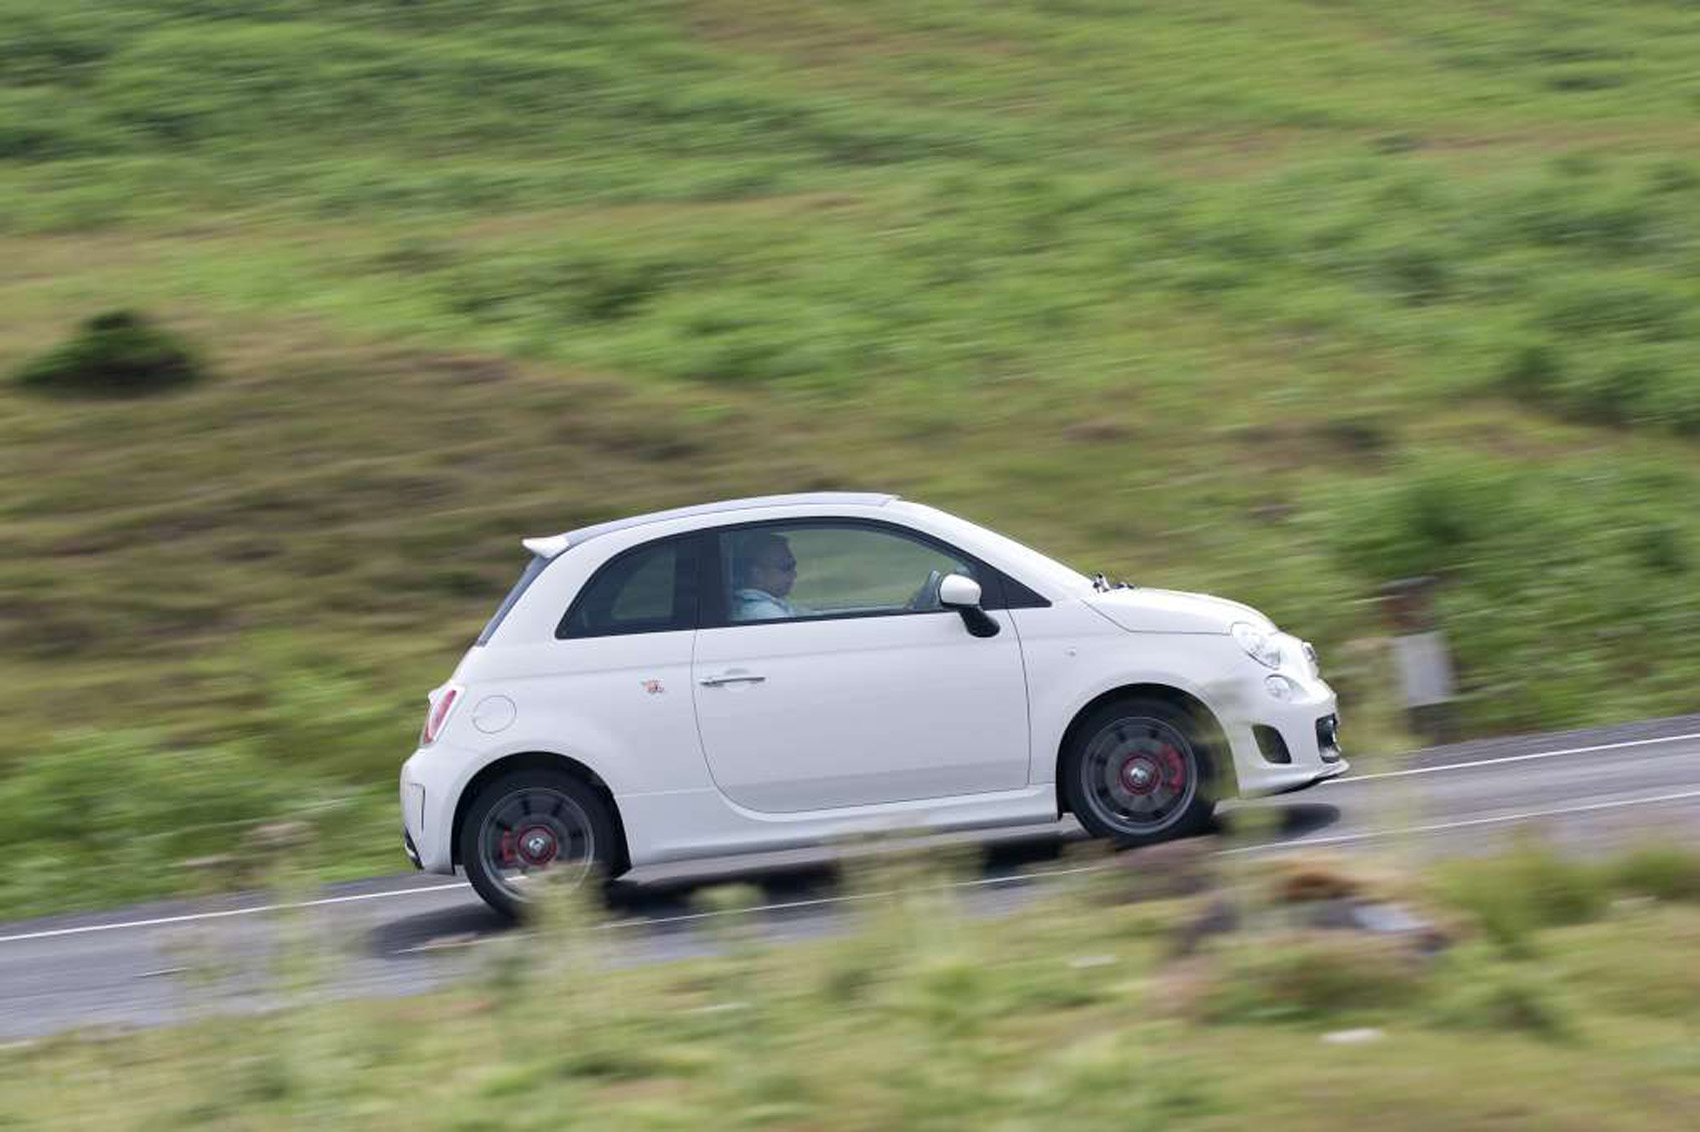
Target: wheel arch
<point>540,760</point>
<point>1217,749</point>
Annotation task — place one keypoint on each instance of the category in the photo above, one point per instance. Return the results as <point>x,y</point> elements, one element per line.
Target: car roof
<point>551,545</point>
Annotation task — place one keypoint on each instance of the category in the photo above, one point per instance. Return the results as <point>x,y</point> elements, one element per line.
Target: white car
<point>773,672</point>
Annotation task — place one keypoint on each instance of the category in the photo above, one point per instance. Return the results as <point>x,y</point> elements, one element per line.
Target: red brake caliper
<point>1174,767</point>
<point>509,847</point>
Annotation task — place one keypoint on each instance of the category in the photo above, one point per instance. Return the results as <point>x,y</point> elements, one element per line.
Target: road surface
<point>159,964</point>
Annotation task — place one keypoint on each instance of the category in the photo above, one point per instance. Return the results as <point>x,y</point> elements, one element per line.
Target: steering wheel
<point>927,597</point>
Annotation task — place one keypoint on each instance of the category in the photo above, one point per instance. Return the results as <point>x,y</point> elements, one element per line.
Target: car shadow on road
<point>442,929</point>
<point>668,905</point>
<point>1288,821</point>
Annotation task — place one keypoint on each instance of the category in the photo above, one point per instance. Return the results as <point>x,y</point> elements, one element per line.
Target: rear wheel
<point>528,824</point>
<point>1139,771</point>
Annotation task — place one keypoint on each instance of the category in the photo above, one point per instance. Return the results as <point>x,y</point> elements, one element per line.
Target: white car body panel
<point>861,711</point>
<point>863,724</point>
<point>673,827</point>
<point>1173,611</point>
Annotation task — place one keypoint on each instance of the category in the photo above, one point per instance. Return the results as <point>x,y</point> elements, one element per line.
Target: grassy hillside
<point>1282,301</point>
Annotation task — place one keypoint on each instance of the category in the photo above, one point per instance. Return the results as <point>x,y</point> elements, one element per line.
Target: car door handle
<point>731,678</point>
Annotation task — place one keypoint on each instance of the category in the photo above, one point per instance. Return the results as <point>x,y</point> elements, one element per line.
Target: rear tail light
<point>442,701</point>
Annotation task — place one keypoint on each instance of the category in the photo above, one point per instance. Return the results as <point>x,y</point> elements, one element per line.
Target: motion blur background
<point>1278,300</point>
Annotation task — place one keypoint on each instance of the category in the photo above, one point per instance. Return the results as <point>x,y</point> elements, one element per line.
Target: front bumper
<point>1284,746</point>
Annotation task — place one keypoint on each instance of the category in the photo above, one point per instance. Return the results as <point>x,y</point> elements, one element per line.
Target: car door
<point>851,686</point>
<point>614,681</point>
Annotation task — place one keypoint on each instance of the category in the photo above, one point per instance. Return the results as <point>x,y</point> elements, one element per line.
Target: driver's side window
<point>816,569</point>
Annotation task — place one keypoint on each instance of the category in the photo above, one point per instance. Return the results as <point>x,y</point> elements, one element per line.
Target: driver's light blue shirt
<point>751,604</point>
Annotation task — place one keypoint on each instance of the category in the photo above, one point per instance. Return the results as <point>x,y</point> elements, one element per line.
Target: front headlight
<point>1260,646</point>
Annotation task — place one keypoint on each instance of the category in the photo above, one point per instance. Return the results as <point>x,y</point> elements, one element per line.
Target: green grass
<point>1071,1012</point>
<point>1282,301</point>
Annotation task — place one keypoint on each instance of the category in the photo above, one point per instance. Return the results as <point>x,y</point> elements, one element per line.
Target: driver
<point>763,572</point>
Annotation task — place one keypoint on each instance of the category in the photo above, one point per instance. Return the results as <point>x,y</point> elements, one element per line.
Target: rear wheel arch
<point>546,761</point>
<point>1219,755</point>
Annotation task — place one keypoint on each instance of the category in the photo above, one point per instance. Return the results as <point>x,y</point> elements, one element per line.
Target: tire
<point>528,822</point>
<point>1140,771</point>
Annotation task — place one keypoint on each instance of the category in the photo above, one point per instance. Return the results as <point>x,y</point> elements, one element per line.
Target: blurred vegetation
<point>119,354</point>
<point>1281,301</point>
<point>1072,1011</point>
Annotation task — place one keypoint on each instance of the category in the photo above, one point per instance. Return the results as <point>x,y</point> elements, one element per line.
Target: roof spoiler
<point>549,546</point>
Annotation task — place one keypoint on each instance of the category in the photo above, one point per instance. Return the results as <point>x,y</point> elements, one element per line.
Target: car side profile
<point>775,672</point>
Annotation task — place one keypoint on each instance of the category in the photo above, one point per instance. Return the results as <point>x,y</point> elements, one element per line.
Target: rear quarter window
<point>649,589</point>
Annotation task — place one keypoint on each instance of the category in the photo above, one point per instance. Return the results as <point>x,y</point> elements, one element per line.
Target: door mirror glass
<point>957,592</point>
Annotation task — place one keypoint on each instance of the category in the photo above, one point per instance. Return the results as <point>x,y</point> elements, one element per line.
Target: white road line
<point>1347,780</point>
<point>1437,827</point>
<point>193,916</point>
<point>1014,878</point>
<point>186,918</point>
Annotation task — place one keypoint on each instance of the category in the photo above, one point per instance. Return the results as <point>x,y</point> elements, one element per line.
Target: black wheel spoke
<point>1139,774</point>
<point>533,831</point>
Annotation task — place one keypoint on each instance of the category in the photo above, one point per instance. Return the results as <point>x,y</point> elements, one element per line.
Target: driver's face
<point>775,572</point>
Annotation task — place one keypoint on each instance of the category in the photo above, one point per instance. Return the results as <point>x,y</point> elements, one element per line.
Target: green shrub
<point>1623,382</point>
<point>1665,872</point>
<point>1302,978</point>
<point>125,812</point>
<point>1426,522</point>
<point>1489,996</point>
<point>1531,886</point>
<point>118,354</point>
<point>1531,369</point>
<point>1618,307</point>
<point>1558,214</point>
<point>1592,545</point>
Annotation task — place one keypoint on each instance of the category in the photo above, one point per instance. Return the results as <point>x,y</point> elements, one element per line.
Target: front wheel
<point>1138,772</point>
<point>531,823</point>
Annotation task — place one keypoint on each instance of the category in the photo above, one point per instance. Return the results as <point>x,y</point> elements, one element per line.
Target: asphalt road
<point>159,964</point>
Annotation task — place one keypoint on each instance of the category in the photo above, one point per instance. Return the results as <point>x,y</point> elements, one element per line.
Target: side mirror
<point>955,592</point>
<point>963,595</point>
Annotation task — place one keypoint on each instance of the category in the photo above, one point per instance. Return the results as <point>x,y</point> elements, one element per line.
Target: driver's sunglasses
<point>789,566</point>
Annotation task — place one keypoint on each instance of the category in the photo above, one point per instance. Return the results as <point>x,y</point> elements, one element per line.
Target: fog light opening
<point>1271,745</point>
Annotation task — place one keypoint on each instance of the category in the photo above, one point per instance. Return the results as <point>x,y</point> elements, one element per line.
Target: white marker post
<point>1421,659</point>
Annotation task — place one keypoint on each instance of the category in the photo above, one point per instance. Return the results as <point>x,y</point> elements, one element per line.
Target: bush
<point>1591,545</point>
<point>120,812</point>
<point>1532,369</point>
<point>1629,308</point>
<point>1303,978</point>
<point>117,354</point>
<point>1489,996</point>
<point>1664,872</point>
<point>1532,886</point>
<point>1429,521</point>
